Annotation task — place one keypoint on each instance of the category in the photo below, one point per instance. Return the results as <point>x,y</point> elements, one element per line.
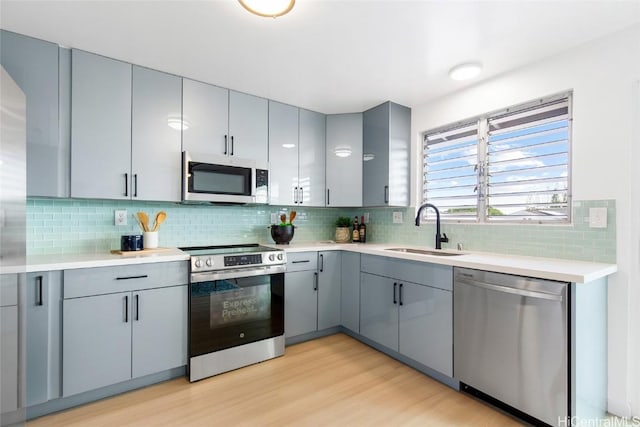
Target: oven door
<point>235,307</point>
<point>218,179</point>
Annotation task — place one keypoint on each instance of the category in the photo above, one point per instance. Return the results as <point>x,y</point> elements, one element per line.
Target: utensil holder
<point>150,239</point>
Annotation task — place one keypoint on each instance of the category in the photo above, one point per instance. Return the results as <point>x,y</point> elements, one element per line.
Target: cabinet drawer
<point>301,261</point>
<point>106,280</point>
<point>435,275</point>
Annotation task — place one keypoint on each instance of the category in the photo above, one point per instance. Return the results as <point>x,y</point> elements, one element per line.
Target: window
<point>513,165</point>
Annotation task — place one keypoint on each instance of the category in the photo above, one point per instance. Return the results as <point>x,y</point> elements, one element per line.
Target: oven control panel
<point>237,260</point>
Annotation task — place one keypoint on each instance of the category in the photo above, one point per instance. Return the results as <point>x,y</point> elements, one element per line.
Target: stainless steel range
<point>236,307</point>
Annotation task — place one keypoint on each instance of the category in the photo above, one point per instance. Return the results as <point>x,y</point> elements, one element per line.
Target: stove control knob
<point>272,257</point>
<point>198,263</point>
<point>209,262</point>
<point>280,257</point>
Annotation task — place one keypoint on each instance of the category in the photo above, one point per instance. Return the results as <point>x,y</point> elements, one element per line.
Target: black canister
<point>131,243</point>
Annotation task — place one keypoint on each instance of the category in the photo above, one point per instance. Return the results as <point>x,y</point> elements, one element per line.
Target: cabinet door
<point>379,310</point>
<point>33,64</point>
<point>96,345</point>
<point>205,110</point>
<point>42,298</point>
<point>329,287</point>
<point>156,146</point>
<point>311,158</point>
<point>300,303</point>
<point>159,330</point>
<point>350,299</point>
<point>100,127</point>
<point>375,148</point>
<point>9,358</point>
<point>248,127</point>
<point>344,160</point>
<point>426,326</point>
<point>283,152</point>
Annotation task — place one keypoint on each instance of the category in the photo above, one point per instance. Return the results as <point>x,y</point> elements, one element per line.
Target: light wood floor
<point>335,380</point>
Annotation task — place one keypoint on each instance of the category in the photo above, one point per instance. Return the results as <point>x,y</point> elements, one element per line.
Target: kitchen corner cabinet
<point>386,154</point>
<point>350,292</point>
<point>344,160</point>
<point>296,153</point>
<point>39,67</point>
<point>42,296</point>
<point>121,144</point>
<point>312,292</point>
<point>118,326</point>
<point>224,122</point>
<point>408,307</point>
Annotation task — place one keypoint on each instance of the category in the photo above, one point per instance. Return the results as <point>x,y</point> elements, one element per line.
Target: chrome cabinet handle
<point>295,195</point>
<point>301,199</point>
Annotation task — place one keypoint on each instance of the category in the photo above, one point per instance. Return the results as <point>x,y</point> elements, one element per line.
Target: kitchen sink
<point>425,252</point>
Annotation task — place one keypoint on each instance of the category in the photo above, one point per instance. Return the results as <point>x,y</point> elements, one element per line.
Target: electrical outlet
<point>274,218</point>
<point>366,217</point>
<point>120,217</point>
<point>597,217</point>
<point>397,217</point>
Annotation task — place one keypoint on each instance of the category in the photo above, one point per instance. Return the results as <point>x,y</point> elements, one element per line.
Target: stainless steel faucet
<point>439,238</point>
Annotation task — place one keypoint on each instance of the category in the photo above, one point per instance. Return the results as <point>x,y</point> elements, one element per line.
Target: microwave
<point>222,179</point>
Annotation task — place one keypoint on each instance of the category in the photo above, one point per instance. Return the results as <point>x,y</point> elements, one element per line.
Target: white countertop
<point>544,268</point>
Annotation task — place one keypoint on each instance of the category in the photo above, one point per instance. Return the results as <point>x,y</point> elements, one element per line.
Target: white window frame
<point>482,145</point>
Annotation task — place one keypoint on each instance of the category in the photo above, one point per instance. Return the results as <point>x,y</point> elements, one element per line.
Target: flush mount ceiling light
<point>268,8</point>
<point>465,71</point>
<point>342,151</point>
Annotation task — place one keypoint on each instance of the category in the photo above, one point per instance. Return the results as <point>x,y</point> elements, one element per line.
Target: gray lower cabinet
<point>8,343</point>
<point>38,67</point>
<point>414,319</point>
<point>312,292</point>
<point>42,296</point>
<point>122,322</point>
<point>350,291</point>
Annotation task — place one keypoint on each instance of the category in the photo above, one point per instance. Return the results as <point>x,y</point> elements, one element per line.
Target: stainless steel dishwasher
<point>511,341</point>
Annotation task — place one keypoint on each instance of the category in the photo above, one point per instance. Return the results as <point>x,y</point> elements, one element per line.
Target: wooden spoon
<point>160,217</point>
<point>144,220</point>
<point>283,218</point>
<point>292,216</point>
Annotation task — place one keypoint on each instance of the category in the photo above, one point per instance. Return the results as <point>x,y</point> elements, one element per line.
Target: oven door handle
<point>237,273</point>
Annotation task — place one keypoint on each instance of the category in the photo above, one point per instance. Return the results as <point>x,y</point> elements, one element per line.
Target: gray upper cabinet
<point>386,155</point>
<point>283,153</point>
<point>296,156</point>
<point>155,145</point>
<point>206,118</point>
<point>224,122</point>
<point>100,127</point>
<point>344,160</point>
<point>36,68</point>
<point>248,127</point>
<point>311,158</point>
<point>42,296</point>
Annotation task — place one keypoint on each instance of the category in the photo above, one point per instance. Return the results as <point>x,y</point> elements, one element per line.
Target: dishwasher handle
<point>509,290</point>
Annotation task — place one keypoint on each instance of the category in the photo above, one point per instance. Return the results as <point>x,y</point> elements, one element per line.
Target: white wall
<point>602,75</point>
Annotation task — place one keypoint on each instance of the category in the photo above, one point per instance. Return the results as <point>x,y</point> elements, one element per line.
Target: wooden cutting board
<point>142,252</point>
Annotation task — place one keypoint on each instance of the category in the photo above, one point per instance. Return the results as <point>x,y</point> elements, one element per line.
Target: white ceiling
<point>329,56</point>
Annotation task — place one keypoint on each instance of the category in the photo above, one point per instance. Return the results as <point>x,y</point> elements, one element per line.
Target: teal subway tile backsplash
<point>77,226</point>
